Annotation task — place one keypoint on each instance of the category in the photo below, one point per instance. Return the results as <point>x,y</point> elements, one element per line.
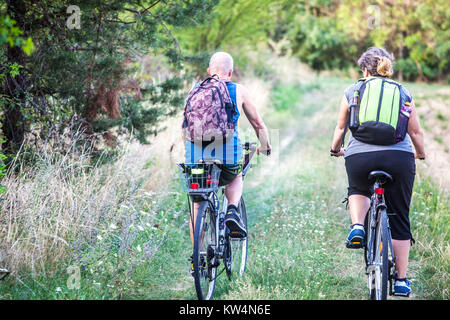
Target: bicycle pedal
<point>401,295</point>
<point>236,234</point>
<point>354,244</point>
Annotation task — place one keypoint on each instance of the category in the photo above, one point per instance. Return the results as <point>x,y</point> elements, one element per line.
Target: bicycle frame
<point>219,216</point>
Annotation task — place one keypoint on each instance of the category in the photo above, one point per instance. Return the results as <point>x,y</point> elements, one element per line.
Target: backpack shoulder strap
<point>360,86</point>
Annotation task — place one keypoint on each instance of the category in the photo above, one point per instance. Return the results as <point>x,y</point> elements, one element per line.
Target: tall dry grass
<point>60,203</point>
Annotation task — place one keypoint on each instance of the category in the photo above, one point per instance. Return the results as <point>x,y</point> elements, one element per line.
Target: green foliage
<point>317,42</point>
<point>329,34</point>
<point>12,35</point>
<point>415,32</point>
<point>408,67</point>
<point>237,24</point>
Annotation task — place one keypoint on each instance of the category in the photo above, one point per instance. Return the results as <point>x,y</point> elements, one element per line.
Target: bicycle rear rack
<point>199,178</point>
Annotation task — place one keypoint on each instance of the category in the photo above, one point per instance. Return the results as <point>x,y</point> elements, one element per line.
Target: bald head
<point>221,63</point>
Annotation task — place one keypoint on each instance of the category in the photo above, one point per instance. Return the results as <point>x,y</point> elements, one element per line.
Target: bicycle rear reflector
<point>379,191</point>
<point>194,185</point>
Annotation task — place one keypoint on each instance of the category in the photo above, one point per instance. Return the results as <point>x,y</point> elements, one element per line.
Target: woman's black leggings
<point>401,165</point>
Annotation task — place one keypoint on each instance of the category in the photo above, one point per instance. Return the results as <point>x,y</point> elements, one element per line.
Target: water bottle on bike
<point>403,119</point>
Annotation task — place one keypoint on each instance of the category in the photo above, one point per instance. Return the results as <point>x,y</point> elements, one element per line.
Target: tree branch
<point>143,11</point>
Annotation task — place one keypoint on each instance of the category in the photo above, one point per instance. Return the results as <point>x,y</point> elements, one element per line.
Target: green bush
<point>407,67</point>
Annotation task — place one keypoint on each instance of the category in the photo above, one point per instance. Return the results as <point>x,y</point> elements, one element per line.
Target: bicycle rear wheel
<point>238,258</point>
<point>205,270</point>
<point>384,254</point>
<point>379,274</point>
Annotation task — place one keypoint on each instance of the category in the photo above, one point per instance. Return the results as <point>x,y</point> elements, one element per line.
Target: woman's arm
<point>416,133</point>
<point>340,127</point>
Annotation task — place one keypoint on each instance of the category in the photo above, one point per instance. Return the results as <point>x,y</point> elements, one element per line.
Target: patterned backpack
<point>208,112</point>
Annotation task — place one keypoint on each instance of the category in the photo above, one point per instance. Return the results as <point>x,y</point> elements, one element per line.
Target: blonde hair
<point>384,67</point>
<point>377,61</point>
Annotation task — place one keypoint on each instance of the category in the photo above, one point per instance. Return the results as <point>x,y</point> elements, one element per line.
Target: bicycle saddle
<point>380,176</point>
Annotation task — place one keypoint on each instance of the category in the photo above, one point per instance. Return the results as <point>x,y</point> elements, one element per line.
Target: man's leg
<point>194,209</point>
<point>233,191</point>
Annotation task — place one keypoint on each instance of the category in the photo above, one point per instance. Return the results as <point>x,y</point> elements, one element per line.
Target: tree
<point>239,24</point>
<point>85,76</point>
<point>10,34</point>
<point>315,38</point>
<point>332,34</point>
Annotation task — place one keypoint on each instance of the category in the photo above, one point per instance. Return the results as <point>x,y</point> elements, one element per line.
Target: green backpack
<point>374,118</point>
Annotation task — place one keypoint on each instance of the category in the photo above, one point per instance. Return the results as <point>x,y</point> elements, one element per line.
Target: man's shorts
<point>227,174</point>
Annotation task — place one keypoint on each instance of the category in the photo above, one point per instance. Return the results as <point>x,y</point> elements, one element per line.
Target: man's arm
<point>255,120</point>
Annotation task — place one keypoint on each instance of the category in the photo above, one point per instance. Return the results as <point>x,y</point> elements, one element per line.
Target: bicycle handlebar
<point>248,146</point>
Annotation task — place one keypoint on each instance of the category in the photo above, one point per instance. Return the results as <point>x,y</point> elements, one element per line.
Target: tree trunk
<point>400,56</point>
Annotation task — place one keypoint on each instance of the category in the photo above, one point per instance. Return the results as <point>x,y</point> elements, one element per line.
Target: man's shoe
<point>234,223</point>
<point>402,287</point>
<point>355,239</point>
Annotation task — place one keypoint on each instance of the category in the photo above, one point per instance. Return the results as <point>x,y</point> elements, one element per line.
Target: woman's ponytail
<point>377,61</point>
<point>384,67</point>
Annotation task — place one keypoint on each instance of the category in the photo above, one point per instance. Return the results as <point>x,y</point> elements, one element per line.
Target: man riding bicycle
<point>228,151</point>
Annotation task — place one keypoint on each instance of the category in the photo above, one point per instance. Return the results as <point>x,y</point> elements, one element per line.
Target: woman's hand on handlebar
<point>419,156</point>
<point>340,153</point>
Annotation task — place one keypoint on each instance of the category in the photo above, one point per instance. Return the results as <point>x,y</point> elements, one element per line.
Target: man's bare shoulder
<point>241,90</point>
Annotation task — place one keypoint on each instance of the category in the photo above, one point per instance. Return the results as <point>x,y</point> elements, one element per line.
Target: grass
<point>72,230</point>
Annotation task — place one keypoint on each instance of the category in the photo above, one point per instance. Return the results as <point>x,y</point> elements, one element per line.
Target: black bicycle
<point>378,250</point>
<point>212,242</point>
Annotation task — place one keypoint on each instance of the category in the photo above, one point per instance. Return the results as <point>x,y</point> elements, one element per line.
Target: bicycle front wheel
<point>205,270</point>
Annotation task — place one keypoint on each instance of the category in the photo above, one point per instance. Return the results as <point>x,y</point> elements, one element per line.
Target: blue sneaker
<point>355,239</point>
<point>402,287</point>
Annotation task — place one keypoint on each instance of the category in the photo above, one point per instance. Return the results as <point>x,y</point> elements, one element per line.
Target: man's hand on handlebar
<point>266,151</point>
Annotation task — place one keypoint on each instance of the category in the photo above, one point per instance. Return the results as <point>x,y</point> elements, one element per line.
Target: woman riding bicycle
<point>397,159</point>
